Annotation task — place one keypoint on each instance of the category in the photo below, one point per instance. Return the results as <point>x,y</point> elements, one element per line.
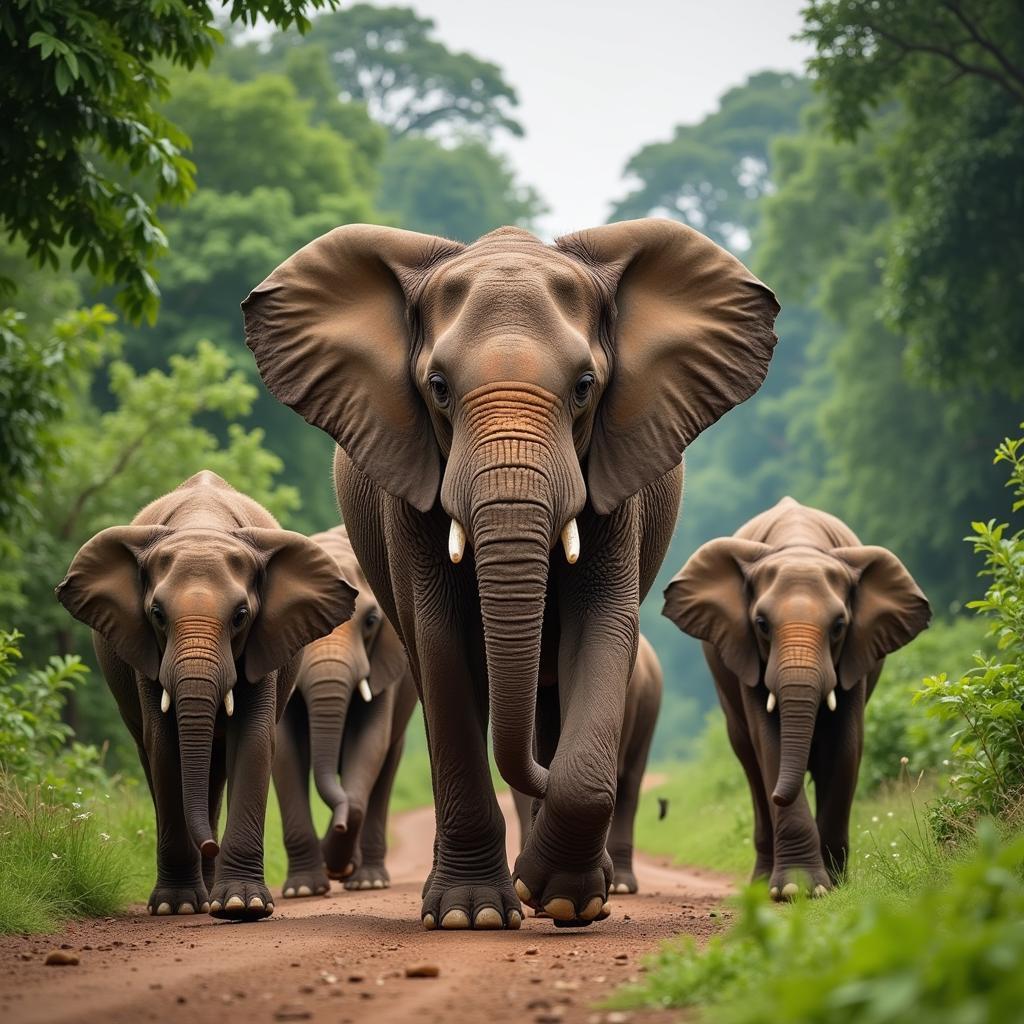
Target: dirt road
<point>342,958</point>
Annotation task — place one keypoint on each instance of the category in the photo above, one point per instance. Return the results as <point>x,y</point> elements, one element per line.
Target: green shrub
<point>948,954</point>
<point>986,703</point>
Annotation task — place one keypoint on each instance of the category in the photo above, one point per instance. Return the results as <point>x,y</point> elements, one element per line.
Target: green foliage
<point>987,701</point>
<point>461,191</point>
<point>387,59</point>
<point>947,952</point>
<point>956,254</point>
<point>87,156</point>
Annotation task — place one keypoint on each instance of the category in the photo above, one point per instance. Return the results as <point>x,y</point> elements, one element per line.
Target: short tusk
<point>165,702</point>
<point>456,542</point>
<point>571,541</point>
<point>229,702</point>
<point>364,690</point>
<point>771,703</point>
<point>830,700</point>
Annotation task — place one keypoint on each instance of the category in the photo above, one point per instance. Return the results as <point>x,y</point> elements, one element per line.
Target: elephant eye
<point>158,616</point>
<point>583,388</point>
<point>439,389</point>
<point>241,614</point>
<point>762,625</point>
<point>371,620</point>
<point>837,628</point>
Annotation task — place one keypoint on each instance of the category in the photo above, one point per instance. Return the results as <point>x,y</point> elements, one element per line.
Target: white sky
<point>597,79</point>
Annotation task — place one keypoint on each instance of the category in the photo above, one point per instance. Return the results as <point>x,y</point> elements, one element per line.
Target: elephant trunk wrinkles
<point>512,543</point>
<point>200,671</point>
<point>327,702</point>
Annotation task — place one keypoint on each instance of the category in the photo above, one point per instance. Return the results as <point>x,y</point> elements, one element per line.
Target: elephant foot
<point>573,899</point>
<point>368,876</point>
<point>240,900</point>
<point>793,880</point>
<point>483,904</point>
<point>623,882</point>
<point>300,884</point>
<point>178,899</point>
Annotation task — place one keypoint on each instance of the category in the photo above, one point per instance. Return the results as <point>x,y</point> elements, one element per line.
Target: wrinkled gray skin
<point>797,616</point>
<point>202,605</point>
<point>519,389</point>
<point>643,700</point>
<point>328,727</point>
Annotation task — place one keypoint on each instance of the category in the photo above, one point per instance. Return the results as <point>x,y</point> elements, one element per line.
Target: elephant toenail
<point>428,922</point>
<point>234,903</point>
<point>592,909</point>
<point>560,909</point>
<point>455,920</point>
<point>774,892</point>
<point>205,908</point>
<point>790,890</point>
<point>521,891</point>
<point>304,890</point>
<point>270,908</point>
<point>606,911</point>
<point>215,905</point>
<point>487,919</point>
<point>186,908</point>
<point>164,908</point>
<point>377,884</point>
<point>515,920</point>
<point>256,903</point>
<point>289,892</point>
<point>819,891</point>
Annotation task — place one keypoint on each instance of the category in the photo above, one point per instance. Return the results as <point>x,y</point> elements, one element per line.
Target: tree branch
<point>82,500</point>
<point>985,43</point>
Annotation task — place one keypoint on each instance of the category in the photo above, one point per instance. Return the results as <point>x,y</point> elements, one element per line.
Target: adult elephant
<point>488,400</point>
<point>201,590</point>
<point>353,699</point>
<point>643,700</point>
<point>797,616</point>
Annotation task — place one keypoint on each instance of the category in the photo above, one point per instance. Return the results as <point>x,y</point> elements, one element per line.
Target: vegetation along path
<point>345,957</point>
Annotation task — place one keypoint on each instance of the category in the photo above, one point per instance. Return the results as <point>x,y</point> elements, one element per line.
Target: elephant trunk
<point>511,543</point>
<point>327,703</point>
<point>798,711</point>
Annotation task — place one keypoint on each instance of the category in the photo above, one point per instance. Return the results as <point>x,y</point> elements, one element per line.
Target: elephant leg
<point>764,838</point>
<point>524,812</point>
<point>239,891</point>
<point>835,764</point>
<point>306,875</point>
<point>469,886</point>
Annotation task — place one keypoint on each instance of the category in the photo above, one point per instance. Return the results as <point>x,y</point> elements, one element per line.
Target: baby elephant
<point>797,616</point>
<point>643,699</point>
<point>328,726</point>
<point>201,590</point>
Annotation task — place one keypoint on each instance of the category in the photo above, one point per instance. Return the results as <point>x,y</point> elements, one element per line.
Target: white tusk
<point>830,700</point>
<point>229,702</point>
<point>771,703</point>
<point>165,702</point>
<point>364,690</point>
<point>571,541</point>
<point>456,542</point>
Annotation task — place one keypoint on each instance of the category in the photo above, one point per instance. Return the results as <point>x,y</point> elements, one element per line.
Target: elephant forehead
<point>805,570</point>
<point>195,553</point>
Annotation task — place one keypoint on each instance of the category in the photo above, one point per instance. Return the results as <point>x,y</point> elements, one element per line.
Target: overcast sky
<point>597,79</point>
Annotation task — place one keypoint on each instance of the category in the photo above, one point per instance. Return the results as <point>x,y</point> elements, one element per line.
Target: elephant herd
<point>510,420</point>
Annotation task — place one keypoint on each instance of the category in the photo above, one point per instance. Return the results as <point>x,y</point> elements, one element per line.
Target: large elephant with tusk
<point>200,607</point>
<point>511,418</point>
<point>797,616</point>
<point>353,698</point>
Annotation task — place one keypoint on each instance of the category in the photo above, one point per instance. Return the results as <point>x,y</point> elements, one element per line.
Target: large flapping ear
<point>303,597</point>
<point>888,609</point>
<point>388,662</point>
<point>708,599</point>
<point>330,334</point>
<point>103,588</point>
<point>692,337</point>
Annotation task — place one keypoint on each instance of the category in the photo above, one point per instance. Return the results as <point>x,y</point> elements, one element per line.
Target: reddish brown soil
<point>342,958</point>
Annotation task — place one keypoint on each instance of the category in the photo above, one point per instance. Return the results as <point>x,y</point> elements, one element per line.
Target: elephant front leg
<point>372,872</point>
<point>470,885</point>
<point>239,890</point>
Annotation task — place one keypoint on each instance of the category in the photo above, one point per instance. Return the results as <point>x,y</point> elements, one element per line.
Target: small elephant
<point>643,699</point>
<point>797,616</point>
<point>328,727</point>
<point>511,418</point>
<point>203,589</point>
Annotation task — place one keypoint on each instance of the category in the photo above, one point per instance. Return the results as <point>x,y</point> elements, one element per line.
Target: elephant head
<point>363,655</point>
<point>190,608</point>
<point>513,381</point>
<point>804,621</point>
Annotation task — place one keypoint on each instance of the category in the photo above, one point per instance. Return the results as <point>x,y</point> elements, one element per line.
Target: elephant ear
<point>103,588</point>
<point>303,597</point>
<point>388,663</point>
<point>330,334</point>
<point>888,609</point>
<point>708,599</point>
<point>692,337</point>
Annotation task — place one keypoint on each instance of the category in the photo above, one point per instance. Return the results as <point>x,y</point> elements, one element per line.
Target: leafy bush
<point>949,954</point>
<point>986,703</point>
